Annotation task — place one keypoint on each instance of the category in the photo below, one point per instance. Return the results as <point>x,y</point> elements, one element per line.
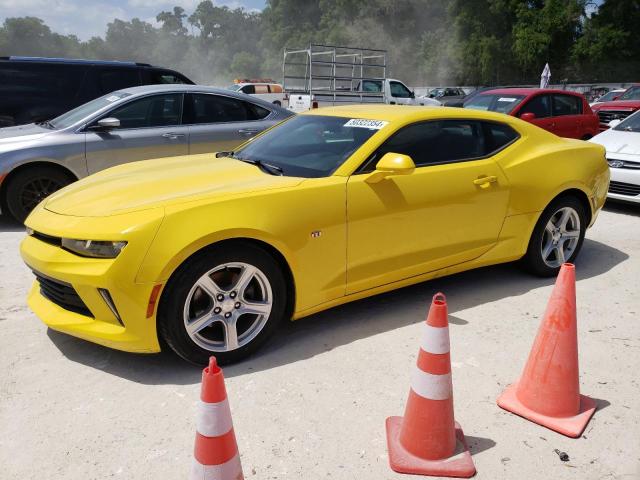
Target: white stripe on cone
<point>213,419</point>
<point>231,470</point>
<point>435,339</point>
<point>433,387</point>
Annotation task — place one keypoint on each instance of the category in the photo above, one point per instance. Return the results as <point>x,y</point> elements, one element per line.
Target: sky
<point>88,18</point>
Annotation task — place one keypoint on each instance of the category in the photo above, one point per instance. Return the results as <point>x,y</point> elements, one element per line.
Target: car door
<point>449,210</point>
<point>540,106</point>
<point>220,123</point>
<point>150,127</point>
<point>400,94</point>
<point>567,115</point>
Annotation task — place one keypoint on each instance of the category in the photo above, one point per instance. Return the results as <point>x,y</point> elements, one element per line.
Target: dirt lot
<point>313,403</point>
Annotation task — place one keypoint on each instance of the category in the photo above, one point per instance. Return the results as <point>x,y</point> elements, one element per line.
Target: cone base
<point>459,464</point>
<point>569,426</point>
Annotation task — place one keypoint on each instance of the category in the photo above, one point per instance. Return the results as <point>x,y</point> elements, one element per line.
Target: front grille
<point>622,188</point>
<point>62,294</point>
<point>606,116</point>
<point>615,163</point>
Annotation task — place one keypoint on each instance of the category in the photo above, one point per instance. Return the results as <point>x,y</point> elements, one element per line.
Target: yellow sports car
<point>211,252</point>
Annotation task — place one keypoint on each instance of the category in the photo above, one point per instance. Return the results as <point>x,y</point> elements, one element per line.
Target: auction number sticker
<point>507,99</point>
<point>362,123</point>
<point>113,98</point>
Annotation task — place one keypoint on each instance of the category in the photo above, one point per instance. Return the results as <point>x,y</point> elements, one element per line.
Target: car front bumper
<point>67,293</point>
<point>624,185</point>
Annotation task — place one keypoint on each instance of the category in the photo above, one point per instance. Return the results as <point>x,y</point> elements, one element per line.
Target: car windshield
<point>310,145</point>
<point>77,114</point>
<point>609,96</point>
<point>630,124</point>
<point>632,94</point>
<point>502,103</point>
<point>234,87</point>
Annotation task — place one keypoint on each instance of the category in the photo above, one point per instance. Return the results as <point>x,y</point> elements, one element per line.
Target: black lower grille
<point>62,294</point>
<point>622,188</point>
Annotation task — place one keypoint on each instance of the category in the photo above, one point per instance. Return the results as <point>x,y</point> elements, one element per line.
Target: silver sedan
<point>124,126</point>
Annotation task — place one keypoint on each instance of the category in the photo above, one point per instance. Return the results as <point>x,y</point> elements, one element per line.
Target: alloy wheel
<point>228,307</point>
<point>560,237</point>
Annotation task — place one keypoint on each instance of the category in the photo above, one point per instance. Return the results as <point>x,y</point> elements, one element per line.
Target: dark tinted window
<point>566,105</point>
<point>437,142</point>
<point>399,90</point>
<point>445,141</point>
<point>218,109</point>
<point>540,106</point>
<point>59,82</point>
<point>248,89</point>
<point>111,80</point>
<point>152,111</point>
<point>166,77</point>
<point>497,135</point>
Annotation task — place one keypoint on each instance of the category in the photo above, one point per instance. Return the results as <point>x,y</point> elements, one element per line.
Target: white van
<point>266,89</point>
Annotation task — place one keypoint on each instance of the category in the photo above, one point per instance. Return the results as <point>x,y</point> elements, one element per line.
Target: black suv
<point>37,89</point>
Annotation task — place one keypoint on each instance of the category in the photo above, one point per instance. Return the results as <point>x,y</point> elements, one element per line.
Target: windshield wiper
<point>265,167</point>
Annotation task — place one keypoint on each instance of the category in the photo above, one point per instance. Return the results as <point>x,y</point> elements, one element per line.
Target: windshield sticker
<point>361,123</point>
<point>113,98</point>
<point>507,99</point>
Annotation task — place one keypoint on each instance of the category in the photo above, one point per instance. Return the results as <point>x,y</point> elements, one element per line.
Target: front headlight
<point>93,248</point>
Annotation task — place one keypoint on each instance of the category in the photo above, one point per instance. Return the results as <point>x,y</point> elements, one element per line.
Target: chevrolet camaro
<point>209,253</point>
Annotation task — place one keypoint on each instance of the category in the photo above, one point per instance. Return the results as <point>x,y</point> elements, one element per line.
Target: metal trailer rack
<point>335,74</point>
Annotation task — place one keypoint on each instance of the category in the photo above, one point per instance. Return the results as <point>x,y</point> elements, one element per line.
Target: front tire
<point>557,237</point>
<point>225,301</point>
<point>29,187</point>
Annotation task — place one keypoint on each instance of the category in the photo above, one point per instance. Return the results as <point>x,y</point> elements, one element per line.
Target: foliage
<point>428,41</point>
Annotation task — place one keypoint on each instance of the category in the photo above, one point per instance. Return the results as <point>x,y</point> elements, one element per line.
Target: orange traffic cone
<point>548,393</point>
<point>427,440</point>
<point>216,451</point>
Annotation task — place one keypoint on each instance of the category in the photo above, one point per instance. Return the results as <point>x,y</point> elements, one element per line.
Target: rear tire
<point>29,187</point>
<point>277,102</point>
<point>208,309</point>
<point>557,237</point>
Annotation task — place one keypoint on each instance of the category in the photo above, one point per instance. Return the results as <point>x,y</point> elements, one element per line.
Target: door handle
<point>248,131</point>
<point>486,180</point>
<point>172,136</point>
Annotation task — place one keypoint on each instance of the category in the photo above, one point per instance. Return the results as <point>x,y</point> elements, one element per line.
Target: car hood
<point>619,142</point>
<point>23,133</point>
<point>618,104</point>
<point>160,183</point>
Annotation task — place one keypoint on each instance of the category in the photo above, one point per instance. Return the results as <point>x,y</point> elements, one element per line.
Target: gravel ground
<point>312,404</point>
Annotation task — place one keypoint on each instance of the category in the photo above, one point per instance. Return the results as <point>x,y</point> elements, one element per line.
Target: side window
<point>217,109</point>
<point>262,89</point>
<point>371,86</point>
<point>399,90</point>
<point>566,105</point>
<point>436,142</point>
<point>540,106</point>
<point>159,77</point>
<point>497,136</point>
<point>248,89</point>
<point>111,80</point>
<point>152,111</point>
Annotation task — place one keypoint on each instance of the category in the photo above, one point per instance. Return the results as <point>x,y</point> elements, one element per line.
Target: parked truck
<point>326,75</point>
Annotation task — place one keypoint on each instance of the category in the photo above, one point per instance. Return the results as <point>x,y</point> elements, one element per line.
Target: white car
<point>622,142</point>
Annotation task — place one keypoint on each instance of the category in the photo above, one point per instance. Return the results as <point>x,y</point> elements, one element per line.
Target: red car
<point>567,114</point>
<point>620,108</point>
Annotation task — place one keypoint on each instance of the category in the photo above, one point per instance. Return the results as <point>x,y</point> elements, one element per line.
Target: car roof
<point>527,91</point>
<point>407,113</point>
<point>184,88</point>
<point>75,61</point>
